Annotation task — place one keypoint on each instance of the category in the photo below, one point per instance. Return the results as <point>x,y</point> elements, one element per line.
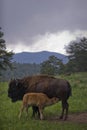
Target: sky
<point>42,25</point>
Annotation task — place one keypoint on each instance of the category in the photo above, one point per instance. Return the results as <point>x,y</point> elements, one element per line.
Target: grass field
<point>78,104</point>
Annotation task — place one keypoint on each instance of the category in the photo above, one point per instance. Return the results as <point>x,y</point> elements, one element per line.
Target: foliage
<point>77,54</point>
<point>20,71</point>
<point>77,51</point>
<point>78,103</point>
<point>52,66</point>
<point>5,56</point>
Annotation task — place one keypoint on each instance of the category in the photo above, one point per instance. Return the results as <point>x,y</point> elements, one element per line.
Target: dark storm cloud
<point>23,19</point>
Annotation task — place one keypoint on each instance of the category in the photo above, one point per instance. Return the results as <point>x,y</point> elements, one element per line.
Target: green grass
<point>78,103</point>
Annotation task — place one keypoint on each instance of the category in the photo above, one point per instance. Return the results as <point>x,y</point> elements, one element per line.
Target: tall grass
<point>78,103</point>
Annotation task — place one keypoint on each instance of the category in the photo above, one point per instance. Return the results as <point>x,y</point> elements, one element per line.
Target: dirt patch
<point>77,118</point>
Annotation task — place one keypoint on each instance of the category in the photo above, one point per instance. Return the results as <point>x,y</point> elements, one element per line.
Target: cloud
<point>33,17</point>
<point>49,41</point>
<point>37,25</point>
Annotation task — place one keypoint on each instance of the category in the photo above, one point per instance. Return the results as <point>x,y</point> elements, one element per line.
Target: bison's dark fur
<point>51,86</point>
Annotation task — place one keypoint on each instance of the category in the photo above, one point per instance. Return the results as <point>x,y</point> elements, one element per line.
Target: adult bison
<point>49,85</point>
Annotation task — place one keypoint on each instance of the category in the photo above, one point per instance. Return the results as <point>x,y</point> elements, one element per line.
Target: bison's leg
<point>35,111</point>
<point>61,117</point>
<point>64,109</point>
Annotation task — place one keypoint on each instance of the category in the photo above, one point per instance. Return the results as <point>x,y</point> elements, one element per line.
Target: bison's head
<point>16,90</point>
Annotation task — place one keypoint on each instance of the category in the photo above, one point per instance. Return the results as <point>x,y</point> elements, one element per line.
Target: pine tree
<point>5,56</point>
<point>77,52</point>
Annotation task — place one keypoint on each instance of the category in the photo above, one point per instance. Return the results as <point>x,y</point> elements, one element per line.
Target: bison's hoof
<point>61,117</point>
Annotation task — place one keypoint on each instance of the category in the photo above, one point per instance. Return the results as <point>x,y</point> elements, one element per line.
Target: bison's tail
<point>69,90</point>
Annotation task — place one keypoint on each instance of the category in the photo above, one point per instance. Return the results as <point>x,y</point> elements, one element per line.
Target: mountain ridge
<point>37,57</point>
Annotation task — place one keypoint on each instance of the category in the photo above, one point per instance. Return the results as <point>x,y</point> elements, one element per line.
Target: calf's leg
<point>41,112</point>
<point>26,110</point>
<point>22,108</point>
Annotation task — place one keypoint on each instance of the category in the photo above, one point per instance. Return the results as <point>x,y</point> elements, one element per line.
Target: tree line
<point>20,71</point>
<point>76,52</point>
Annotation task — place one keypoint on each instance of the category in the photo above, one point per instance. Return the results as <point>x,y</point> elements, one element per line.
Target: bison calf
<point>37,99</point>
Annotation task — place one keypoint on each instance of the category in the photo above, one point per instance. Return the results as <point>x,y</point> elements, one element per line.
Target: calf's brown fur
<point>37,99</point>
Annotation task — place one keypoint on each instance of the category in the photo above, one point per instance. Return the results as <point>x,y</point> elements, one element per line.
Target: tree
<point>52,66</point>
<point>77,53</point>
<point>5,56</point>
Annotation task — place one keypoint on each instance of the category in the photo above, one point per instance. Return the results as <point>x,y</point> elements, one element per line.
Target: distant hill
<point>37,57</point>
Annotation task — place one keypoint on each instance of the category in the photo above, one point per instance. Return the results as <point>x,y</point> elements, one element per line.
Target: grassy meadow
<point>78,103</point>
